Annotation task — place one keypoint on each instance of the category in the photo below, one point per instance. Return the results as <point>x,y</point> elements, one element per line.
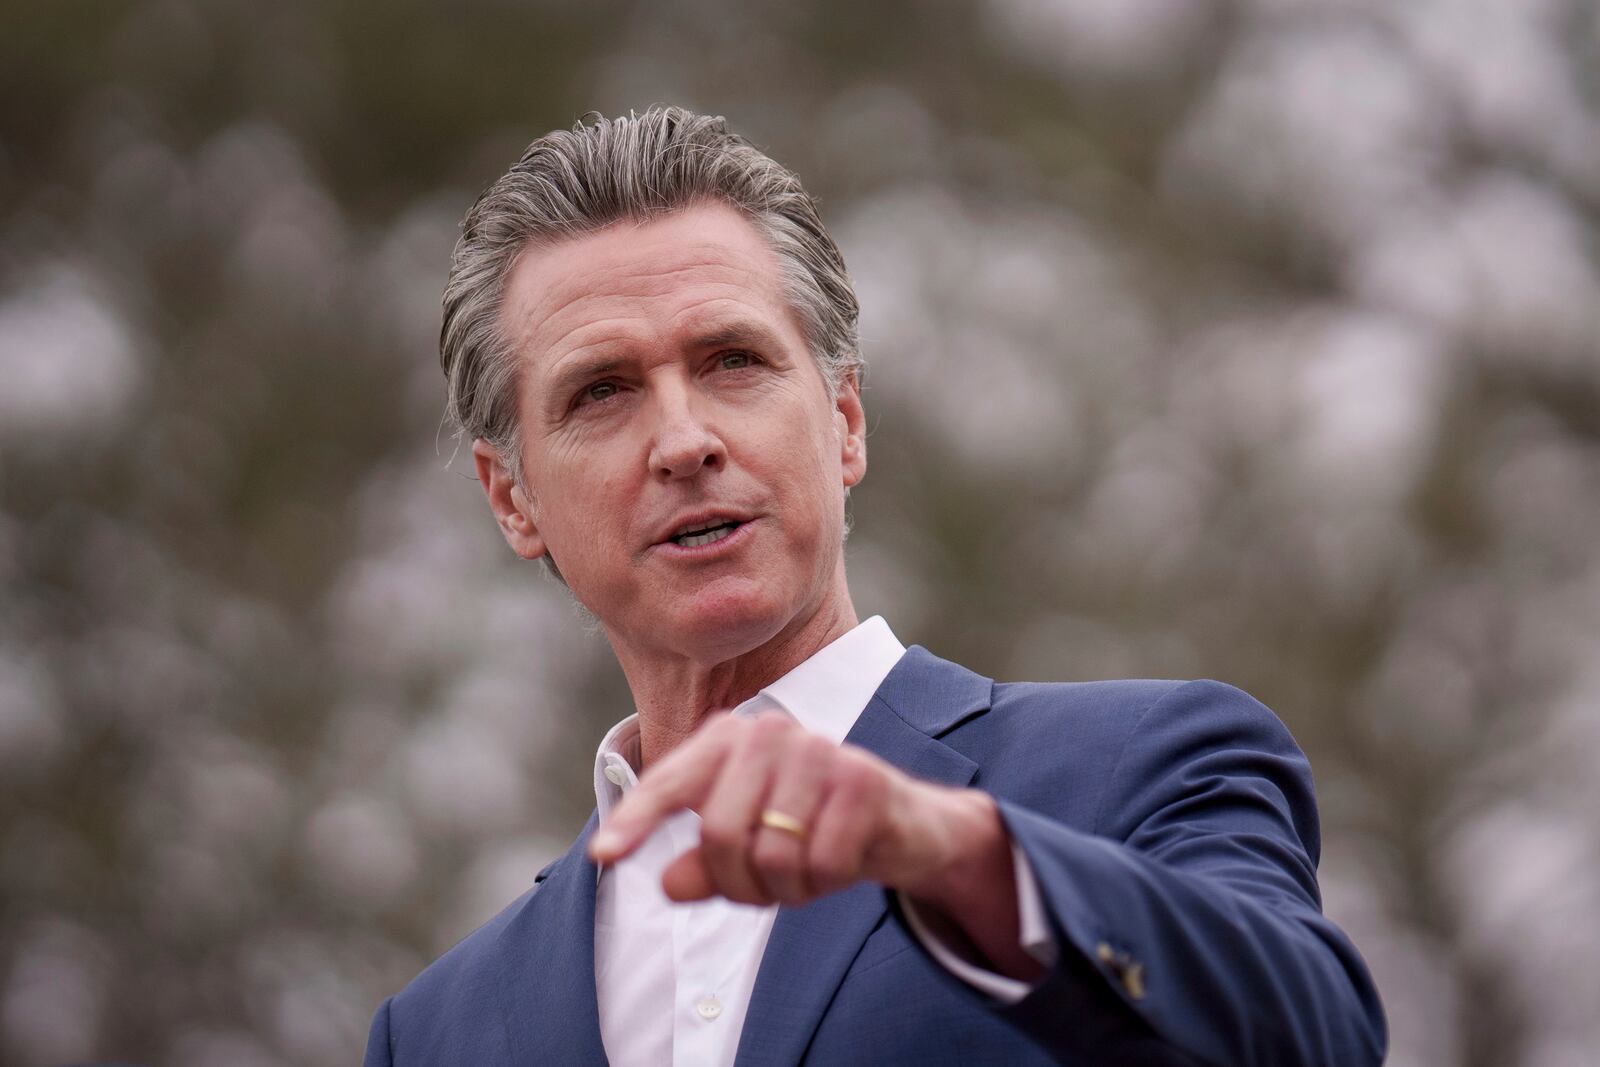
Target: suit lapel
<point>811,948</point>
<point>547,989</point>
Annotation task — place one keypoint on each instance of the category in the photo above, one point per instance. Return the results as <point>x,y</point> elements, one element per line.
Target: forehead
<point>636,281</point>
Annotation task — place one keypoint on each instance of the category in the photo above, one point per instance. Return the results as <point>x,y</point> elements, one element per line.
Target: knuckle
<point>874,787</point>
<point>775,856</point>
<point>769,726</point>
<point>830,870</point>
<point>853,776</point>
<point>818,749</point>
<point>721,836</point>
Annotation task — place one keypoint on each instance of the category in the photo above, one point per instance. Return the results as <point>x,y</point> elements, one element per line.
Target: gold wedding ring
<point>787,823</point>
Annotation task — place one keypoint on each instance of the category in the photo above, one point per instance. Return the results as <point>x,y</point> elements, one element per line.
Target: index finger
<point>682,779</point>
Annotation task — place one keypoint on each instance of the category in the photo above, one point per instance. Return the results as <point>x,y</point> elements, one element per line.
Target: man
<point>878,856</point>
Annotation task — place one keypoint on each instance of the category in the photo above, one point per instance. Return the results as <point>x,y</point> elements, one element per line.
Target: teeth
<point>705,537</point>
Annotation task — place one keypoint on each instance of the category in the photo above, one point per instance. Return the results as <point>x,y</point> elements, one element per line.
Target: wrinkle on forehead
<point>625,270</point>
<point>591,317</point>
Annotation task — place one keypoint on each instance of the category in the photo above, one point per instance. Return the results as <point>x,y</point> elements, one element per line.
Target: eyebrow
<point>735,333</point>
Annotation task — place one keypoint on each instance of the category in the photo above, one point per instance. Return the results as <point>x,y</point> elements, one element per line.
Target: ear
<point>513,511</point>
<point>850,421</point>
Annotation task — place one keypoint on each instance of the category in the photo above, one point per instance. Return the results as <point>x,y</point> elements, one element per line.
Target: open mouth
<point>704,533</point>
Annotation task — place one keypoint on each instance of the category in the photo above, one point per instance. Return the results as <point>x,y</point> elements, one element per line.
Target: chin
<point>720,623</point>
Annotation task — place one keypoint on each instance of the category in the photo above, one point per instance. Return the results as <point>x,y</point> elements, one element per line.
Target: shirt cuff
<point>1033,933</point>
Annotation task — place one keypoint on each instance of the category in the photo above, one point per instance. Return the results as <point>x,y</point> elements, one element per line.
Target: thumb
<point>686,878</point>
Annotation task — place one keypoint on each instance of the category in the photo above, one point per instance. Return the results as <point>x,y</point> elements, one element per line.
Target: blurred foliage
<point>1258,340</point>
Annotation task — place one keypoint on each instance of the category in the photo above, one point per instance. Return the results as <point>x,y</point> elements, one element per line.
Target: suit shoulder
<point>1051,745</point>
<point>1090,728</point>
<point>1120,705</point>
<point>1119,697</point>
<point>1206,710</point>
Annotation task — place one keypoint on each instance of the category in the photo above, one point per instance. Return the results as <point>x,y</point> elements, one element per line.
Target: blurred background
<point>1252,339</point>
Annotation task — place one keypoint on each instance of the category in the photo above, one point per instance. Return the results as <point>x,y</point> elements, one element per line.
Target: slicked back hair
<point>570,183</point>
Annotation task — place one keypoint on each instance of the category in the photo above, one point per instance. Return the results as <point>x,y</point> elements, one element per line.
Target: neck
<point>674,694</point>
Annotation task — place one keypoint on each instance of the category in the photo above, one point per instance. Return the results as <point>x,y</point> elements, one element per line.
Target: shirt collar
<point>825,694</point>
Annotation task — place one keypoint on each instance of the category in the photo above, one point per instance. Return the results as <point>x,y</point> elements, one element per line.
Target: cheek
<point>819,486</point>
<point>604,526</point>
<point>591,493</point>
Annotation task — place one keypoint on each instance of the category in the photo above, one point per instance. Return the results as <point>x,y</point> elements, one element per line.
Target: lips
<point>708,535</point>
<point>700,528</point>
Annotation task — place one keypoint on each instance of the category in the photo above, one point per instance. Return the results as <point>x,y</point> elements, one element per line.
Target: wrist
<point>974,892</point>
<point>976,861</point>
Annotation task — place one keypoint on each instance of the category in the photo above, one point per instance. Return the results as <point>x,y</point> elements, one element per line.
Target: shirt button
<point>615,775</point>
<point>708,1007</point>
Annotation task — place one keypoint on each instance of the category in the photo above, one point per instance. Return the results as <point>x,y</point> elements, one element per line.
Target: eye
<point>597,392</point>
<point>735,360</point>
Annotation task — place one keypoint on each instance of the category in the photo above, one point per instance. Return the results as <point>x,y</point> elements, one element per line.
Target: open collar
<point>545,953</point>
<point>825,694</point>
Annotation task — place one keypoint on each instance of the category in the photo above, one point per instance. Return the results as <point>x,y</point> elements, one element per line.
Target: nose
<point>684,444</point>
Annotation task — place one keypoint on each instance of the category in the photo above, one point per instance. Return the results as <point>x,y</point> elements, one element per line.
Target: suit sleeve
<point>379,1053</point>
<point>1192,914</point>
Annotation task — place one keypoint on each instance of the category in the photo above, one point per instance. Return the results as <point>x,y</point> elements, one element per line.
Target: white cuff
<point>1033,930</point>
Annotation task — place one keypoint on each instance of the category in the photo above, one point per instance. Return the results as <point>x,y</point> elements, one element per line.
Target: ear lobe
<point>513,511</point>
<point>850,426</point>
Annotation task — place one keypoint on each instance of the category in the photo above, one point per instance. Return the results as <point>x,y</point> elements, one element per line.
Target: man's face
<point>667,389</point>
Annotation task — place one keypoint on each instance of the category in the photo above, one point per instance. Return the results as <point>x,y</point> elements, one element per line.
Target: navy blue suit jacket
<point>1173,832</point>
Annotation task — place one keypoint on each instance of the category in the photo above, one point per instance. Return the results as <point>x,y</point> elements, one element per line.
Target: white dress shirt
<point>674,980</point>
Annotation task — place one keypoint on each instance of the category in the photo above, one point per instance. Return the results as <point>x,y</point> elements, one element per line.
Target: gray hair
<point>634,168</point>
